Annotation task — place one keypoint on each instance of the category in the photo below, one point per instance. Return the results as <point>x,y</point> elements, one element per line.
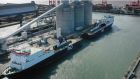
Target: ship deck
<point>35,40</point>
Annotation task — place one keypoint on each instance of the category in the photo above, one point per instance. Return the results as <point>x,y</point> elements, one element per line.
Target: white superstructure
<point>23,59</point>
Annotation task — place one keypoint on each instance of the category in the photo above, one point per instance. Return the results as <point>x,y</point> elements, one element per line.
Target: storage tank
<point>88,12</point>
<point>79,15</point>
<point>65,19</point>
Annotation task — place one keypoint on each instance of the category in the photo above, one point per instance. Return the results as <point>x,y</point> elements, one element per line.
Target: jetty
<point>134,69</point>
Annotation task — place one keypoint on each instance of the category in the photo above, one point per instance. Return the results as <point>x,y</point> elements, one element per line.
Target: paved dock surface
<point>4,61</point>
<point>8,24</point>
<point>138,72</point>
<point>3,67</point>
<point>134,69</point>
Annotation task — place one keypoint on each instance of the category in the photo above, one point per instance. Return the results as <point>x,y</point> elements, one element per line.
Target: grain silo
<point>65,18</point>
<point>79,15</point>
<point>88,12</point>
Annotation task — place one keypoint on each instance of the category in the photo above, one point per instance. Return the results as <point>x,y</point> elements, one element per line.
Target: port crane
<point>104,5</point>
<point>134,4</point>
<point>134,7</point>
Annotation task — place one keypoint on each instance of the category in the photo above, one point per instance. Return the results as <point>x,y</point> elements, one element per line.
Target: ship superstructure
<point>100,26</point>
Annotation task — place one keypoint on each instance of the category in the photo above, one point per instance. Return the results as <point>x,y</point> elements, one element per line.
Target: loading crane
<point>133,7</point>
<point>104,6</point>
<point>134,4</point>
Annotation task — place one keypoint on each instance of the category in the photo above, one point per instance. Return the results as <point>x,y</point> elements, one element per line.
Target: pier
<point>4,62</point>
<point>134,69</point>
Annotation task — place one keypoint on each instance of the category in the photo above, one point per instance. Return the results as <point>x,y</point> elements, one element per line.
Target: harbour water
<point>106,57</point>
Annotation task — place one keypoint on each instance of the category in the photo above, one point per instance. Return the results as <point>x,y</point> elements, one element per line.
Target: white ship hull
<point>43,62</point>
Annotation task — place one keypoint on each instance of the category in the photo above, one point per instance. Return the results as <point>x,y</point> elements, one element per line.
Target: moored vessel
<point>99,26</point>
<point>37,52</point>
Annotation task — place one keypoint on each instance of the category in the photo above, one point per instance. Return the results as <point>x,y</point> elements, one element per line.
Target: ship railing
<point>20,52</point>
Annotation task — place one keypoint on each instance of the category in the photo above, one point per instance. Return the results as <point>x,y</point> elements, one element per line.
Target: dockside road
<point>134,69</point>
<point>4,62</point>
<point>137,72</point>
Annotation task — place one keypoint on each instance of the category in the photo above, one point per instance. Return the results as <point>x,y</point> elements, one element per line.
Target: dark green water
<point>107,57</point>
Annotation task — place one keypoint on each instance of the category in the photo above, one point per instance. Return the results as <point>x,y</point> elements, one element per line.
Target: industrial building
<point>16,12</point>
<point>17,9</point>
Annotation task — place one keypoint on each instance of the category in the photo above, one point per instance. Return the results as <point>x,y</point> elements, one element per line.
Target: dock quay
<point>3,67</point>
<point>134,69</point>
<point>4,62</point>
<point>8,24</point>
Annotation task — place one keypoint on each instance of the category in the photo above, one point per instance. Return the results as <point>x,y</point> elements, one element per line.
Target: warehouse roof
<point>14,9</point>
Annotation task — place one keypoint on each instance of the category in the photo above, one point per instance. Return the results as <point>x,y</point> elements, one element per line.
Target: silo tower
<point>79,15</point>
<point>82,13</point>
<point>88,12</point>
<point>65,18</point>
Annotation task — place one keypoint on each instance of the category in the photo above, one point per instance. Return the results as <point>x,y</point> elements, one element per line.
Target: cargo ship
<point>99,26</point>
<point>37,52</point>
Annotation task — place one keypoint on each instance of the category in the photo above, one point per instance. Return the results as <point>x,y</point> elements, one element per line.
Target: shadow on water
<point>104,34</point>
<point>48,71</point>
